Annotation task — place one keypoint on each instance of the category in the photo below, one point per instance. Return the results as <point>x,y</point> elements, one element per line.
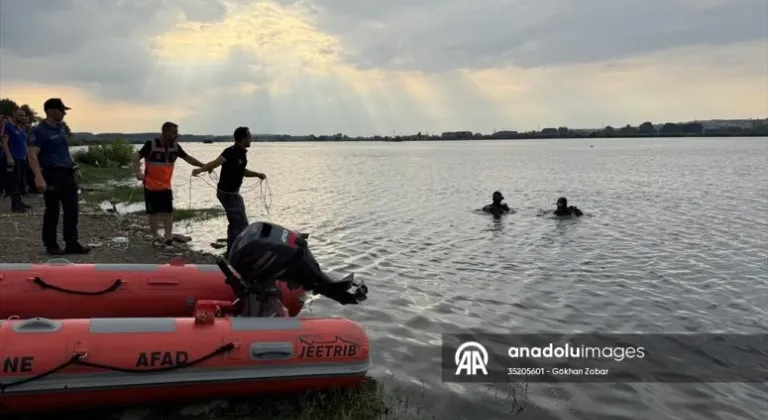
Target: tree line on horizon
<point>759,128</point>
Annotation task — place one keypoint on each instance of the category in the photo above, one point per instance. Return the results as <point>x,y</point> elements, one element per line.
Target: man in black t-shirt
<point>233,161</point>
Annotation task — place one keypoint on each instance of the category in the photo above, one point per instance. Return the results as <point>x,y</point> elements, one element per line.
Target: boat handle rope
<point>77,359</point>
<point>43,285</point>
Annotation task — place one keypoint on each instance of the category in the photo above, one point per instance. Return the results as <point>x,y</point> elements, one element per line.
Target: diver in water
<point>564,210</point>
<point>497,208</point>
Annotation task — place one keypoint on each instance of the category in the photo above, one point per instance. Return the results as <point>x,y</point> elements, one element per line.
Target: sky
<point>364,67</point>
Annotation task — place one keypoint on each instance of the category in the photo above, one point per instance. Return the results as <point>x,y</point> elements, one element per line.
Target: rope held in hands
<point>265,190</point>
<point>265,196</point>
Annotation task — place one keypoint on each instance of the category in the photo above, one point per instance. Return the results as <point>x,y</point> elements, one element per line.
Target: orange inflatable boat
<point>50,365</point>
<point>59,289</point>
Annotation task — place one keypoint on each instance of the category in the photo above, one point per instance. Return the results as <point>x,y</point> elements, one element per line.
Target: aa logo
<point>471,357</point>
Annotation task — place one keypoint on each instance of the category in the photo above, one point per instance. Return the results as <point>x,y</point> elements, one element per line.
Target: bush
<point>114,154</point>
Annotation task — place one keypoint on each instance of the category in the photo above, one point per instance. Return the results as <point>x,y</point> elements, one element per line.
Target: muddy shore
<point>115,238</point>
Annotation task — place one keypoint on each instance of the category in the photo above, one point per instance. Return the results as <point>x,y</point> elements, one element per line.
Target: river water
<point>674,240</point>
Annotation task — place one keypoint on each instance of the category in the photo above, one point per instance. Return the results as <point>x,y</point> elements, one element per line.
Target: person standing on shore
<point>3,193</point>
<point>13,139</point>
<point>57,176</point>
<point>160,157</point>
<point>233,161</point>
<point>29,178</point>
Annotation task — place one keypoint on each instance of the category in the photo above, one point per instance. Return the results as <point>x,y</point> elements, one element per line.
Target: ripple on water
<point>674,240</point>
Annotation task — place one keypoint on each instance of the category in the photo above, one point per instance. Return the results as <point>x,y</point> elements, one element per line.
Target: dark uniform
<point>228,191</point>
<point>14,177</point>
<point>58,171</point>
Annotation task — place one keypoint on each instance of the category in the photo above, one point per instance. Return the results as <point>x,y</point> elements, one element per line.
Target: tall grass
<point>110,155</point>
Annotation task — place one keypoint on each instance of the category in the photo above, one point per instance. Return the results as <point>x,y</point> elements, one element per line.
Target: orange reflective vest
<point>158,168</point>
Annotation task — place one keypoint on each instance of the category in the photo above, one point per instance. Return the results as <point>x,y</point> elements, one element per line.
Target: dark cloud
<point>107,48</point>
<point>41,28</point>
<point>438,35</point>
<point>104,47</point>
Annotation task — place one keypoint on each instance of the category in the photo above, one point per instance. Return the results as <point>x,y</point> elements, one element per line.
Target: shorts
<point>158,201</point>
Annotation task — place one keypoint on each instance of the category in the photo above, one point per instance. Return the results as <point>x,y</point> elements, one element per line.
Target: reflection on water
<point>673,240</point>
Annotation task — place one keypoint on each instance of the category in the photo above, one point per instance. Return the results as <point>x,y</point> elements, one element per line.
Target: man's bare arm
<point>192,161</point>
<point>34,164</point>
<point>4,141</point>
<point>252,174</point>
<point>4,146</point>
<point>213,164</point>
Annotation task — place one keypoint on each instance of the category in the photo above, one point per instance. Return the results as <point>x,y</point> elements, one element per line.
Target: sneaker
<point>19,209</point>
<point>54,250</point>
<point>76,248</point>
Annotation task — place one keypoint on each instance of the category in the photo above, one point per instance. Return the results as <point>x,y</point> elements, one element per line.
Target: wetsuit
<point>496,208</point>
<point>568,211</point>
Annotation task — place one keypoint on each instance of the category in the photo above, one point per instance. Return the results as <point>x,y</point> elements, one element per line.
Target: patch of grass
<point>369,402</point>
<point>114,194</point>
<point>113,154</point>
<point>193,214</point>
<point>95,175</point>
<point>198,214</point>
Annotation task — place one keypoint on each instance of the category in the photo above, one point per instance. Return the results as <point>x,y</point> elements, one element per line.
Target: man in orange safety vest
<point>160,156</point>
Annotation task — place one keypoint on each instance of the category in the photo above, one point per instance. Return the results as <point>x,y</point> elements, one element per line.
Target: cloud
<point>106,47</point>
<point>438,35</point>
<point>365,67</point>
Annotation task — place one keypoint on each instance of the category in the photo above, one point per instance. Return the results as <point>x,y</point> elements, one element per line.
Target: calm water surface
<point>674,240</point>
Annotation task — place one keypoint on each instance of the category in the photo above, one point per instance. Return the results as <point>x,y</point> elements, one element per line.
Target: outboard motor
<point>265,252</point>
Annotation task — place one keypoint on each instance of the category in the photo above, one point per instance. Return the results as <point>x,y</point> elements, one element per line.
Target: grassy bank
<point>107,171</point>
<point>372,401</point>
<point>369,402</point>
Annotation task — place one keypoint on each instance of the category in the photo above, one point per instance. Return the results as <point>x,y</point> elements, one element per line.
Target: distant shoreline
<point>709,128</point>
<point>98,139</point>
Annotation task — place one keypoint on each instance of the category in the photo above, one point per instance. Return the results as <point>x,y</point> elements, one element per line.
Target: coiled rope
<point>263,186</point>
<point>265,190</point>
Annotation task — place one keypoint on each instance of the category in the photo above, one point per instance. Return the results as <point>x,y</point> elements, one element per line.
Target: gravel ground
<point>20,238</point>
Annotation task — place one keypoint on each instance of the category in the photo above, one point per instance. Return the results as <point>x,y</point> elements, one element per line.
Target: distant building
<point>549,133</point>
<point>506,134</point>
<point>452,135</point>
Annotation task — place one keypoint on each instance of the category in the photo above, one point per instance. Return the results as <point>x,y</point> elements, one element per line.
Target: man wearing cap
<point>159,157</point>
<point>57,176</point>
